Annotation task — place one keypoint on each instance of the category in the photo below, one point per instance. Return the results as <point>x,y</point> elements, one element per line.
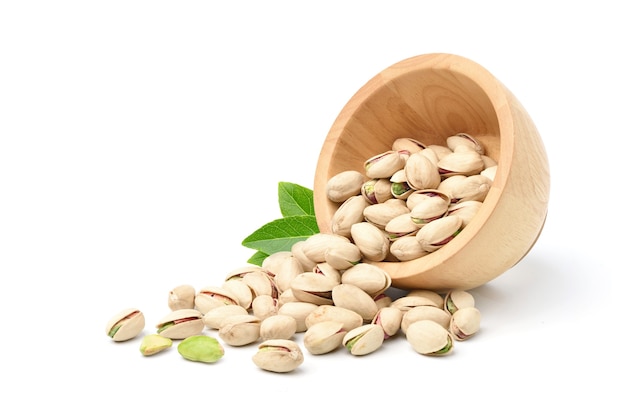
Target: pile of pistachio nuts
<point>412,199</point>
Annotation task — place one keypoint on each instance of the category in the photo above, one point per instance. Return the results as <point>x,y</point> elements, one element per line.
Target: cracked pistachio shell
<point>348,318</point>
<point>182,296</point>
<point>435,297</point>
<point>433,235</point>
<point>464,139</point>
<point>429,338</point>
<point>348,213</point>
<point>409,145</point>
<point>370,278</point>
<point>125,325</point>
<point>490,172</point>
<point>314,288</point>
<point>343,256</point>
<point>421,173</point>
<point>383,300</point>
<point>264,306</point>
<point>324,268</point>
<point>384,164</point>
<point>344,185</point>
<point>299,310</point>
<point>297,249</point>
<point>377,190</point>
<point>240,330</point>
<point>407,302</point>
<point>213,318</point>
<point>212,296</point>
<point>431,208</point>
<point>261,283</point>
<point>418,313</point>
<point>473,187</point>
<point>201,348</point>
<point>431,155</point>
<point>278,326</point>
<point>315,245</point>
<point>464,323</point>
<point>240,272</point>
<point>465,210</point>
<point>407,248</point>
<point>390,319</point>
<point>371,241</point>
<point>463,161</point>
<point>285,271</point>
<point>278,355</point>
<point>240,290</point>
<point>457,299</point>
<point>380,214</point>
<point>354,298</point>
<point>286,297</point>
<point>324,337</point>
<point>399,226</point>
<point>273,261</point>
<point>180,324</point>
<point>364,339</point>
<point>154,343</point>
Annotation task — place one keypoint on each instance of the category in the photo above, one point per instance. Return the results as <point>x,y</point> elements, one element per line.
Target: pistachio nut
<point>285,271</point>
<point>264,306</point>
<point>297,249</point>
<point>431,155</point>
<point>464,323</point>
<point>490,172</point>
<point>240,330</point>
<point>433,207</point>
<point>472,187</point>
<point>201,348</point>
<point>211,296</point>
<point>343,256</point>
<point>238,289</point>
<point>463,161</point>
<point>364,339</point>
<point>324,337</point>
<point>180,324</point>
<point>348,213</point>
<point>370,278</point>
<point>400,187</point>
<point>457,299</point>
<point>273,261</point>
<point>421,173</point>
<point>213,318</point>
<point>239,273</point>
<point>315,245</point>
<point>182,296</point>
<point>429,338</point>
<point>407,248</point>
<point>380,214</point>
<point>435,234</point>
<point>371,241</point>
<point>383,300</point>
<point>278,326</point>
<point>464,139</point>
<point>314,288</point>
<point>450,184</point>
<point>125,325</point>
<point>384,164</point>
<point>439,150</point>
<point>377,190</point>
<point>354,298</point>
<point>389,319</point>
<point>435,297</point>
<point>286,297</point>
<point>261,282</point>
<point>348,318</point>
<point>154,343</point>
<point>299,310</point>
<point>407,302</point>
<point>399,226</point>
<point>424,312</point>
<point>278,355</point>
<point>465,210</point>
<point>329,271</point>
<point>344,185</point>
<point>409,145</point>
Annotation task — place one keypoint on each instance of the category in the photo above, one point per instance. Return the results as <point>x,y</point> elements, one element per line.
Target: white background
<point>141,141</point>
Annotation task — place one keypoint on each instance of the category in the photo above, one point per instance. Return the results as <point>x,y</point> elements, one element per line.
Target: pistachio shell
<point>380,214</point>
<point>278,326</point>
<point>182,296</point>
<point>407,144</point>
<point>450,184</point>
<point>371,241</point>
<point>324,337</point>
<point>429,338</point>
<point>407,302</point>
<point>330,272</point>
<point>349,213</point>
<point>399,226</point>
<point>390,319</point>
<point>431,155</point>
<point>473,187</point>
<point>464,323</point>
<point>240,330</point>
<point>315,245</point>
<point>286,271</point>
<point>264,306</point>
<point>348,318</point>
<point>297,249</point>
<point>490,171</point>
<point>240,290</point>
<point>384,164</point>
<point>286,297</point>
<point>383,300</point>
<point>278,355</point>
<point>343,256</point>
<point>125,325</point>
<point>354,298</point>
<point>180,324</point>
<point>261,283</point>
<point>431,208</point>
<point>211,296</point>
<point>273,261</point>
<point>299,310</point>
<point>154,343</point>
<point>344,185</point>
<point>370,278</point>
<point>314,288</point>
<point>433,235</point>
<point>464,139</point>
<point>377,190</point>
<point>201,348</point>
<point>465,210</point>
<point>240,272</point>
<point>464,162</point>
<point>435,297</point>
<point>439,150</point>
<point>457,299</point>
<point>421,173</point>
<point>425,312</point>
<point>213,318</point>
<point>364,339</point>
<point>407,248</point>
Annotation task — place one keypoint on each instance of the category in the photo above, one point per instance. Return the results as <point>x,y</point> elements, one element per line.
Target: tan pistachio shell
<point>312,287</point>
<point>364,339</point>
<point>278,355</point>
<point>473,187</point>
<point>329,271</point>
<point>370,278</point>
<point>180,324</point>
<point>407,144</point>
<point>240,290</point>
<point>431,155</point>
<point>421,173</point>
<point>450,184</point>
<point>390,319</point>
<point>299,310</point>
<point>343,256</point>
<point>377,190</point>
<point>182,296</point>
<point>371,241</point>
<point>464,139</point>
<point>457,299</point>
<point>285,271</point>
<point>380,214</point>
<point>434,296</point>
<point>213,318</point>
<point>240,329</point>
<point>433,235</point>
<point>407,302</point>
<point>344,185</point>
<point>429,338</point>
<point>210,297</point>
<point>465,210</point>
<point>432,313</point>
<point>286,297</point>
<point>463,161</point>
<point>465,323</point>
<point>431,208</point>
<point>348,213</point>
<point>384,164</point>
<point>354,298</point>
<point>399,226</point>
<point>297,249</point>
<point>490,172</point>
<point>272,261</point>
<point>315,245</point>
<point>348,318</point>
<point>440,150</point>
<point>407,248</point>
<point>278,326</point>
<point>383,300</point>
<point>261,283</point>
<point>324,337</point>
<point>241,271</point>
<point>125,325</point>
<point>264,306</point>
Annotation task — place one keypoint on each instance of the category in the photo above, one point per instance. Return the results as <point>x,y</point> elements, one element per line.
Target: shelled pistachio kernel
<point>201,348</point>
<point>154,343</point>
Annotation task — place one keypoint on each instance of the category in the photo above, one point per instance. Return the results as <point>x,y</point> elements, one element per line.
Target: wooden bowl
<point>430,97</point>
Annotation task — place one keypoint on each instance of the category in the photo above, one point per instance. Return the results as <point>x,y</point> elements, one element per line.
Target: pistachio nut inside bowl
<point>430,98</point>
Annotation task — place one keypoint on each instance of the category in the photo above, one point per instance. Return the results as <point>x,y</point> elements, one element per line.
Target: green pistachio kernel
<point>201,348</point>
<point>154,343</point>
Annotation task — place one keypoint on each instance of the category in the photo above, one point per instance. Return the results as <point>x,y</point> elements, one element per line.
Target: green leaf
<point>295,200</point>
<point>280,234</point>
<point>258,258</point>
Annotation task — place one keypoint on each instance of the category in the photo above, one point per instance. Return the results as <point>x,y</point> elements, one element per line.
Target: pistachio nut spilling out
<point>354,298</point>
<point>389,319</point>
<point>314,288</point>
<point>261,282</point>
<point>348,213</point>
<point>125,325</point>
<point>264,306</point>
<point>183,296</point>
<point>371,241</point>
<point>324,337</point>
<point>344,185</point>
<point>465,323</point>
<point>349,319</point>
<point>370,278</point>
<point>425,312</point>
<point>180,324</point>
<point>213,296</point>
<point>435,234</point>
<point>364,339</point>
<point>407,248</point>
<point>278,326</point>
<point>213,318</point>
<point>380,214</point>
<point>429,338</point>
<point>457,299</point>
<point>240,330</point>
<point>343,256</point>
<point>299,310</point>
<point>278,355</point>
<point>201,348</point>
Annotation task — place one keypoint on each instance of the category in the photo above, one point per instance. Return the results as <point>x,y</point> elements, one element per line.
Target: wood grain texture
<point>430,97</point>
